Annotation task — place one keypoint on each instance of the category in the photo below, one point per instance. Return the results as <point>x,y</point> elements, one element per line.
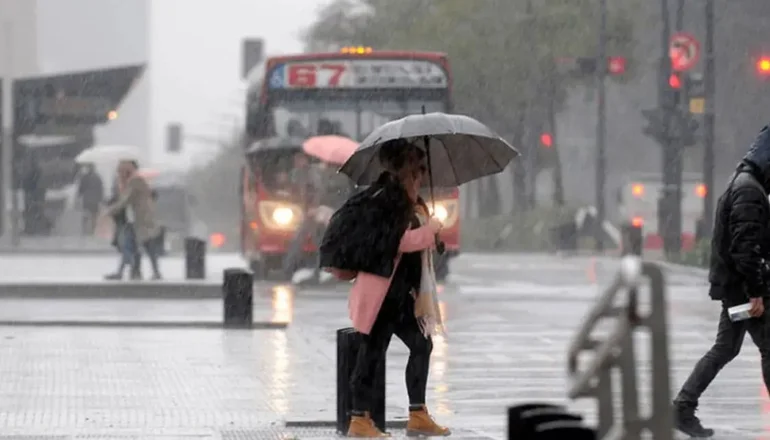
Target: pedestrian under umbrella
<point>384,238</point>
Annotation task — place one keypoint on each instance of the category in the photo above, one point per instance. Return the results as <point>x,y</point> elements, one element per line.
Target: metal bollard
<point>632,239</point>
<point>194,258</point>
<point>545,421</point>
<point>238,296</point>
<point>348,342</point>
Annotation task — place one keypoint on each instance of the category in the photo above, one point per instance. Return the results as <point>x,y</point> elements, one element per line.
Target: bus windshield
<point>353,119</point>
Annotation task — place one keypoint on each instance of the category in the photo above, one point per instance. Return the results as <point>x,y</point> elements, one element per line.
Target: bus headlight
<point>441,213</point>
<point>283,216</point>
<point>445,211</point>
<point>280,215</point>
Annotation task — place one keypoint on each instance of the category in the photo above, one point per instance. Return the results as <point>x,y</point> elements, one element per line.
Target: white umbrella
<point>108,154</point>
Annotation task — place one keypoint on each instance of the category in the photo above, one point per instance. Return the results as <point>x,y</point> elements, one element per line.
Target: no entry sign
<point>684,51</point>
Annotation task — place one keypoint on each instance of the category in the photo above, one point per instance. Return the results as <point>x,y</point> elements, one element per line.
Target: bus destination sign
<point>358,74</point>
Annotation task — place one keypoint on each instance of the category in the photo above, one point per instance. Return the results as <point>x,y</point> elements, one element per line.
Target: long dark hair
<point>393,155</point>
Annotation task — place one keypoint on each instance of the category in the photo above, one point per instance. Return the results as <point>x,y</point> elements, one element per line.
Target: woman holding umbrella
<point>384,238</point>
<point>389,227</point>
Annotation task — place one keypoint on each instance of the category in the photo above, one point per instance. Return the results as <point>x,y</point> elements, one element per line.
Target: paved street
<point>47,268</point>
<point>509,320</point>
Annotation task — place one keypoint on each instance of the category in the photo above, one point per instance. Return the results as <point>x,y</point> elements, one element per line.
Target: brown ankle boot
<point>363,426</point>
<point>422,424</point>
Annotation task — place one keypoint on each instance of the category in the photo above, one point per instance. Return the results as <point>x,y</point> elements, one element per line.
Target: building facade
<point>54,37</point>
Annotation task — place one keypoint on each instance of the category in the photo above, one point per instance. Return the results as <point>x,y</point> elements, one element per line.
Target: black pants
<point>89,220</point>
<point>152,248</point>
<point>727,345</point>
<point>373,347</point>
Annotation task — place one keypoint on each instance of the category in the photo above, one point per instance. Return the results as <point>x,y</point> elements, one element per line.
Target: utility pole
<point>709,85</point>
<point>669,208</point>
<point>558,183</point>
<point>530,133</point>
<point>601,129</point>
<point>10,218</point>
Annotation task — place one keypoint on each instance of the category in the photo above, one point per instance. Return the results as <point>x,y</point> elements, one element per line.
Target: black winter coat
<point>741,241</point>
<point>364,234</point>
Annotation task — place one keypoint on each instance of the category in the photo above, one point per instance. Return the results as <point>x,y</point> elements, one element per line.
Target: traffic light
<point>546,140</point>
<point>174,138</point>
<point>616,65</point>
<point>675,81</point>
<point>763,66</point>
<point>587,66</point>
<point>666,125</point>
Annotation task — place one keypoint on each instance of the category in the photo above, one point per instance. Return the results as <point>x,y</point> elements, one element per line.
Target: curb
<point>214,325</point>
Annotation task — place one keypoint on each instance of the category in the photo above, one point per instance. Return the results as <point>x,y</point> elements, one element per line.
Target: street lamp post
<point>709,82</point>
<point>601,121</point>
<point>9,224</point>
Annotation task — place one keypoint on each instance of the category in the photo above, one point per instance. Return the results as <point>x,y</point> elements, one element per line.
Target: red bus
<point>352,92</point>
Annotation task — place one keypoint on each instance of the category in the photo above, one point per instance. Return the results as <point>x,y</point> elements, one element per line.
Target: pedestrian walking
<point>123,238</point>
<point>142,229</point>
<point>738,274</point>
<point>383,237</point>
<point>91,195</point>
<point>308,186</point>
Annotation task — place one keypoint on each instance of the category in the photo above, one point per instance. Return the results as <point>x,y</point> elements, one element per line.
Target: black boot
<point>688,423</point>
<point>117,276</point>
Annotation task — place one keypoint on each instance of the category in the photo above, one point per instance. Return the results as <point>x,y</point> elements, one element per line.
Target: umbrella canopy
<point>460,149</point>
<point>108,154</point>
<point>163,179</point>
<point>275,144</point>
<point>331,149</point>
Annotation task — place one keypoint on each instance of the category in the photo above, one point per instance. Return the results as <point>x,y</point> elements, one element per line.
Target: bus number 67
<point>307,75</point>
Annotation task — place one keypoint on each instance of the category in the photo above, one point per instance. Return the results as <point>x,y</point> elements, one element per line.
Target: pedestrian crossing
<point>506,344</point>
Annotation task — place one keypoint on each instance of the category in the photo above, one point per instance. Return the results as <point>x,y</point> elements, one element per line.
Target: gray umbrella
<point>460,149</point>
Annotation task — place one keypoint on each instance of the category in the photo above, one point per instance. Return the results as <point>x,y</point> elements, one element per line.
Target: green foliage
<point>698,256</point>
<point>501,56</point>
<point>518,232</point>
<point>215,187</point>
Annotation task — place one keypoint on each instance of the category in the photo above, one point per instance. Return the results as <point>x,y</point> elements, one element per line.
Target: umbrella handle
<point>440,246</point>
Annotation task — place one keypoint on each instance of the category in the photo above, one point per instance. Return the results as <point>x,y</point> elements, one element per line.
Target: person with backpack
<point>738,274</point>
<point>383,238</point>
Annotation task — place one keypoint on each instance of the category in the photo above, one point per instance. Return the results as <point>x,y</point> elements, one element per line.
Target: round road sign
<point>684,51</point>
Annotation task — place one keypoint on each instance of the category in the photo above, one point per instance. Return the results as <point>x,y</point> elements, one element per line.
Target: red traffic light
<point>616,65</point>
<point>763,65</point>
<point>675,81</point>
<point>547,140</point>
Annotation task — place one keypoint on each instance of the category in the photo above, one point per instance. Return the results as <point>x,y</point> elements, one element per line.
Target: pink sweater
<point>368,291</point>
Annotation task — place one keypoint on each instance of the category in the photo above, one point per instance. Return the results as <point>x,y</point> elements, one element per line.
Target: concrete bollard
<point>632,239</point>
<point>238,296</point>
<point>194,258</point>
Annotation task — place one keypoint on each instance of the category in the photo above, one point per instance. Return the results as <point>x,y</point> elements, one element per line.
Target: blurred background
<point>170,80</point>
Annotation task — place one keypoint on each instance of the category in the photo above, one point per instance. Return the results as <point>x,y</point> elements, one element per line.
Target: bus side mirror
<point>255,121</point>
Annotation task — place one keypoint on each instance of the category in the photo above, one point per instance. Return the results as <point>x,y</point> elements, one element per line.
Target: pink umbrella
<point>332,149</point>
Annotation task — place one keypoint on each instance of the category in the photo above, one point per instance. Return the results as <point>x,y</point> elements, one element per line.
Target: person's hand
<point>757,307</point>
<point>435,224</point>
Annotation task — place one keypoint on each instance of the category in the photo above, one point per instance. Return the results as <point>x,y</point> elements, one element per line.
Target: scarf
<point>426,304</point>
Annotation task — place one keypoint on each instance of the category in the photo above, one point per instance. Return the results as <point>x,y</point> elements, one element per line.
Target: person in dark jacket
<point>738,274</point>
<point>91,194</point>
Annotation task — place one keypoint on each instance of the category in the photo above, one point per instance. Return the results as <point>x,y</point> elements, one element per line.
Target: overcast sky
<point>195,58</point>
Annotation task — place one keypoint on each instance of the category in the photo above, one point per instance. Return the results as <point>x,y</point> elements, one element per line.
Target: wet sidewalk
<point>505,345</point>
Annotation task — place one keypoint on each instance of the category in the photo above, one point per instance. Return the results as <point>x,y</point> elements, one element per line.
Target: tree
<point>215,188</point>
<point>501,55</point>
